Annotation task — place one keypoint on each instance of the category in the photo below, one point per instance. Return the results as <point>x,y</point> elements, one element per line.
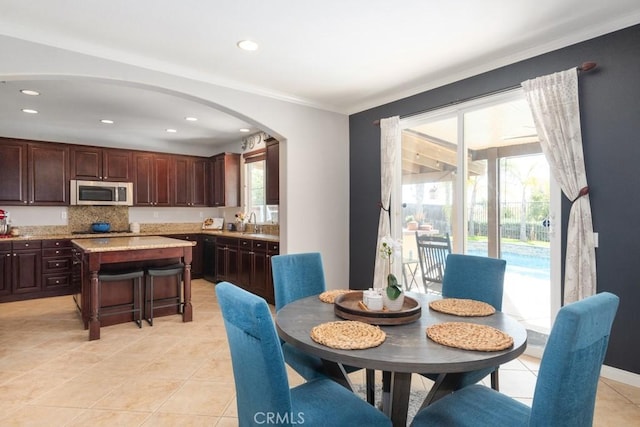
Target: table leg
<point>187,314</point>
<point>445,384</point>
<point>336,372</point>
<point>396,387</point>
<point>370,381</point>
<point>94,321</point>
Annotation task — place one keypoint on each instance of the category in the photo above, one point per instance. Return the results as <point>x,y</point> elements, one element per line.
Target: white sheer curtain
<point>553,100</point>
<point>390,138</point>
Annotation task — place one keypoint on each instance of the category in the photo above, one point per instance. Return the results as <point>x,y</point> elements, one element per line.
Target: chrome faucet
<point>252,214</point>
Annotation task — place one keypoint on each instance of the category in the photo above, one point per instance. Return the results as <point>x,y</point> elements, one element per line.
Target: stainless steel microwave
<point>101,193</point>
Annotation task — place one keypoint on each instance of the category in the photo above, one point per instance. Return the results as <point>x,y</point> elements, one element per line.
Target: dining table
<point>406,349</point>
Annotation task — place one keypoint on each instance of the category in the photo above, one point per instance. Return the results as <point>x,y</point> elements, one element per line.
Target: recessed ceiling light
<point>245,130</point>
<point>191,119</point>
<point>29,111</point>
<point>248,45</point>
<point>30,92</point>
<point>106,121</point>
<point>172,130</point>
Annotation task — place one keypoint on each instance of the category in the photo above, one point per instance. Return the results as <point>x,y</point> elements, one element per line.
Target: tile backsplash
<point>81,217</point>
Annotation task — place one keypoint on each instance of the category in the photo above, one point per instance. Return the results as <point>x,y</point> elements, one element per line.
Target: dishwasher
<point>209,258</point>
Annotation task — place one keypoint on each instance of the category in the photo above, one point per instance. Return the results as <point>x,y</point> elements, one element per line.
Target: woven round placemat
<point>469,336</point>
<point>462,307</point>
<point>348,335</point>
<point>330,296</point>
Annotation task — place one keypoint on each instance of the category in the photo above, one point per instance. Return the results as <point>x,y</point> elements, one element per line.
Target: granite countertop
<point>112,244</point>
<point>221,233</point>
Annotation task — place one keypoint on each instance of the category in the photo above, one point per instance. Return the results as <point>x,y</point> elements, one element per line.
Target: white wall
<point>314,199</point>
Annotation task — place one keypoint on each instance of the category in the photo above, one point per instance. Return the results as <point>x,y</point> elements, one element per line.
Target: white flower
<point>390,248</point>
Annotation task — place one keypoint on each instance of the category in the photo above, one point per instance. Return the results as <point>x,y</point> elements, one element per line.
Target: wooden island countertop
<point>97,252</point>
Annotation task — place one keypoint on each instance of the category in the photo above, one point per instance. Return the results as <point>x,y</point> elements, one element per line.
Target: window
<point>255,178</point>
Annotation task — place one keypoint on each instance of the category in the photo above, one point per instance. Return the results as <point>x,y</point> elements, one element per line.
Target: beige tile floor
<point>170,374</point>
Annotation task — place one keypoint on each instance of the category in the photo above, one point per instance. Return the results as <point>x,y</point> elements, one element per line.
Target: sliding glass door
<point>475,173</point>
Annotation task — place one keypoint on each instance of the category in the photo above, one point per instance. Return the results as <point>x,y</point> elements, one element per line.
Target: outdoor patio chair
<point>263,395</point>
<point>567,381</point>
<point>432,255</point>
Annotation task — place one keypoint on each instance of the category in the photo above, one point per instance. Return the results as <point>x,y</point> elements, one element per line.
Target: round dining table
<point>405,350</point>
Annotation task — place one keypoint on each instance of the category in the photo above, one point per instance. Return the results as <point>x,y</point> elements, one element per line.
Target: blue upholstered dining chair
<point>567,381</point>
<point>262,390</point>
<point>481,279</point>
<point>297,276</point>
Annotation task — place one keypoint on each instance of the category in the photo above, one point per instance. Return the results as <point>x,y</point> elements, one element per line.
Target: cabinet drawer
<point>245,243</point>
<point>259,245</point>
<point>27,244</point>
<point>56,264</point>
<point>56,252</point>
<point>59,243</point>
<point>273,247</point>
<point>5,246</point>
<point>225,241</point>
<point>55,280</point>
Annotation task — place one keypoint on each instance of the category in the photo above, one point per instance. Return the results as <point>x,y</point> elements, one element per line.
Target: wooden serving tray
<point>346,306</point>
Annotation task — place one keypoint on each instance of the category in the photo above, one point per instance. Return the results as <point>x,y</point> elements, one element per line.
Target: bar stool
<point>135,307</point>
<point>174,301</point>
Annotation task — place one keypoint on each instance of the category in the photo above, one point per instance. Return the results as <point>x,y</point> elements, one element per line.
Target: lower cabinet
<point>197,253</point>
<point>254,267</point>
<point>26,267</point>
<point>227,260</point>
<point>35,269</point>
<point>56,265</point>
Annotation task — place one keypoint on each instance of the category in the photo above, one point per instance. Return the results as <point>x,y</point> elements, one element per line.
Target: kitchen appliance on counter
<point>213,224</point>
<point>5,225</point>
<point>101,193</point>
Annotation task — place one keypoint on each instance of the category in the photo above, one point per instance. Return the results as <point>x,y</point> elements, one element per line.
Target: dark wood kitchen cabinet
<point>226,180</point>
<point>272,166</point>
<point>101,164</point>
<point>153,179</point>
<point>196,252</point>
<point>254,267</point>
<point>26,267</point>
<point>13,171</point>
<point>192,178</point>
<point>33,173</point>
<point>5,268</point>
<point>56,265</point>
<point>48,174</point>
<point>227,260</point>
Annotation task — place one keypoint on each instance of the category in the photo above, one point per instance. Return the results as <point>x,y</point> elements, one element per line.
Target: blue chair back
<point>296,276</point>
<point>570,367</point>
<point>258,365</point>
<point>474,277</point>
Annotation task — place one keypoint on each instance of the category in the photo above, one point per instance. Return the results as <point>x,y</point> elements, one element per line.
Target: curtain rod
<point>586,66</point>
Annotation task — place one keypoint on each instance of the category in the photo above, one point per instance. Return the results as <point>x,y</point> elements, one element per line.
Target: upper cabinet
<point>272,166</point>
<point>101,164</point>
<point>153,179</point>
<point>192,177</point>
<point>13,172</point>
<point>33,173</point>
<point>226,180</point>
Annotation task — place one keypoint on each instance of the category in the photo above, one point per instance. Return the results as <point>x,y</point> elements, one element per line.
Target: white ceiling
<point>342,56</point>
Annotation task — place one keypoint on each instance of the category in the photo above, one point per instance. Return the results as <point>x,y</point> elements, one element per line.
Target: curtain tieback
<point>381,206</point>
<point>583,192</point>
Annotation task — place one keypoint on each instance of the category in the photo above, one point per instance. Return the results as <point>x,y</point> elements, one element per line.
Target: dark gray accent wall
<point>610,112</point>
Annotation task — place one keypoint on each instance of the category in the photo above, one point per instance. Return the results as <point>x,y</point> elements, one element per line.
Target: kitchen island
<point>111,253</point>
